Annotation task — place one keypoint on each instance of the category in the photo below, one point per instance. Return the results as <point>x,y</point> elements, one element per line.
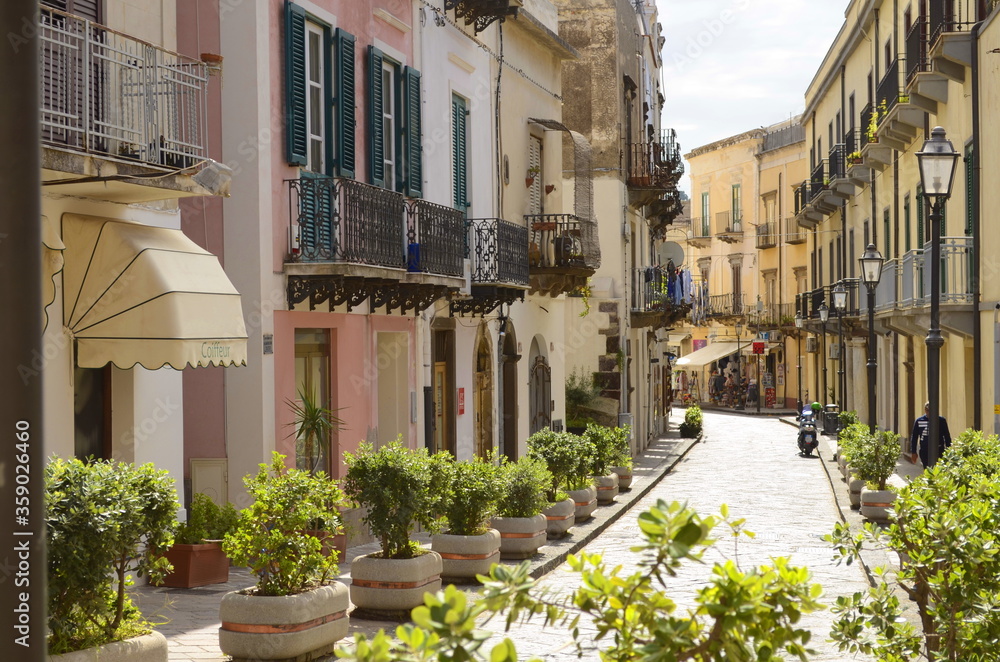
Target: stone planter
<point>520,537</point>
<point>585,501</point>
<point>390,588</point>
<point>842,465</point>
<point>559,517</point>
<point>301,626</point>
<point>197,565</point>
<point>464,557</point>
<point>150,647</point>
<point>854,487</point>
<point>607,488</point>
<point>875,504</point>
<point>624,477</point>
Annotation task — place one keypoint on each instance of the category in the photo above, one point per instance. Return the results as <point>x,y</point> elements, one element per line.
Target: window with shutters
<point>459,153</point>
<point>921,229</point>
<point>737,208</point>
<point>887,253</point>
<point>88,9</point>
<point>319,94</point>
<point>535,205</point>
<point>906,221</point>
<point>395,155</point>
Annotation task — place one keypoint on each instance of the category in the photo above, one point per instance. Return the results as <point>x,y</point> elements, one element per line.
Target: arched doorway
<point>482,399</point>
<point>509,359</point>
<point>539,387</point>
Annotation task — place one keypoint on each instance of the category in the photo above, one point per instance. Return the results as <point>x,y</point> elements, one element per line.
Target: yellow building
<point>895,71</point>
<point>749,264</point>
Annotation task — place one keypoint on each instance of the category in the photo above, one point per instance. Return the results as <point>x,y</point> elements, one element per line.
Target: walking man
<point>919,437</point>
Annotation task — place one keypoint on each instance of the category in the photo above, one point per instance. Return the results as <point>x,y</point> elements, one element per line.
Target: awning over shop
<point>136,294</point>
<point>677,338</point>
<point>52,264</point>
<point>702,357</point>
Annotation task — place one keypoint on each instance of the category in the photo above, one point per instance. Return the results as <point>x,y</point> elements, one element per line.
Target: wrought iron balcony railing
<point>802,196</point>
<point>838,162</point>
<point>436,238</point>
<point>556,241</point>
<point>890,89</point>
<point>956,272</point>
<point>655,165</point>
<point>725,305</point>
<point>481,13</point>
<point>499,252</point>
<point>853,142</point>
<point>818,180</point>
<point>653,290</point>
<point>866,125</point>
<point>729,222</point>
<point>343,220</point>
<point>701,228</point>
<point>104,92</point>
<point>916,49</point>
<point>767,235</point>
<point>953,16</point>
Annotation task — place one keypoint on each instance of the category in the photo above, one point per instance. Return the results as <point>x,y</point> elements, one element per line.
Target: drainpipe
<point>977,323</point>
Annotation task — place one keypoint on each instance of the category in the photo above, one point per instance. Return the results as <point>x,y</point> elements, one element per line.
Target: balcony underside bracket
<point>486,299</point>
<point>408,296</point>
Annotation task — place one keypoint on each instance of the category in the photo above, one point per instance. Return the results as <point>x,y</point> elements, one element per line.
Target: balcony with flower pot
<point>857,172</point>
<point>562,252</point>
<point>874,153</point>
<point>806,215</point>
<point>653,168</point>
<point>498,255</point>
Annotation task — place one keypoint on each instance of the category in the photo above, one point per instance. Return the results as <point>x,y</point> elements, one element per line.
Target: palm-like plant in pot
<point>296,607</point>
<point>399,488</point>
<point>470,546</point>
<point>520,518</point>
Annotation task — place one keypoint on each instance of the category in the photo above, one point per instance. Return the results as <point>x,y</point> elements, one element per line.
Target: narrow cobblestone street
<point>751,464</point>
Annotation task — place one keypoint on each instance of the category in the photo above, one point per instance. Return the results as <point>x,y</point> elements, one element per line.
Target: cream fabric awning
<point>702,357</point>
<point>137,294</point>
<point>52,264</point>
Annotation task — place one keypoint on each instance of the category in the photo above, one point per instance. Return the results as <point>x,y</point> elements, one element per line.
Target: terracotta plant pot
<point>464,557</point>
<point>150,647</point>
<point>520,537</point>
<point>559,518</point>
<point>875,504</point>
<point>197,565</point>
<point>306,625</point>
<point>390,588</point>
<point>585,501</point>
<point>607,488</point>
<point>624,477</point>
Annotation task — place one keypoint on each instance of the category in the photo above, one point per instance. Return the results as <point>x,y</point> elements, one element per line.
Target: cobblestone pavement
<point>752,465</point>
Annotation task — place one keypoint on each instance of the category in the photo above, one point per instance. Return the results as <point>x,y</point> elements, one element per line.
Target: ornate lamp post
<point>739,359</point>
<point>937,161</point>
<point>824,315</point>
<point>840,305</point>
<point>871,274</point>
<point>798,358</point>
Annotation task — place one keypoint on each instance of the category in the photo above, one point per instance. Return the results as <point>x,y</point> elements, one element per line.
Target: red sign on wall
<point>461,401</point>
<point>758,347</point>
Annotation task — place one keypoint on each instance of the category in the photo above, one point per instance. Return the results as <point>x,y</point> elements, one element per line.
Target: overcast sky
<point>734,65</point>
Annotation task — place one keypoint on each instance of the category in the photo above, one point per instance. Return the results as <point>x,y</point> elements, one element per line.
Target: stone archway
<point>539,387</point>
<point>482,395</point>
<point>508,390</point>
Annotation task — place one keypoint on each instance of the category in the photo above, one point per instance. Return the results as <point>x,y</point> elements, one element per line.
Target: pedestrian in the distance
<point>921,433</point>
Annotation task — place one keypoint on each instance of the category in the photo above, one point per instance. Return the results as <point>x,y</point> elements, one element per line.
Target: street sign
<point>758,347</point>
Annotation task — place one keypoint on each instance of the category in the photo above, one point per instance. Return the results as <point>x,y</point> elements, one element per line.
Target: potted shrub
<point>561,459</point>
<point>103,521</point>
<point>296,608</point>
<point>196,555</point>
<point>400,488</point>
<point>873,462</point>
<point>470,546</point>
<point>691,427</point>
<point>580,481</point>
<point>520,518</point>
<point>605,445</point>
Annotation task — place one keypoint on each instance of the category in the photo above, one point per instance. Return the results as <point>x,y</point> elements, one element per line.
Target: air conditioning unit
<point>833,351</point>
<point>812,345</point>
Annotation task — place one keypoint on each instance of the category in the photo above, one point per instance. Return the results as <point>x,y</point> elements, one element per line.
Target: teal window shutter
<point>414,173</point>
<point>459,149</point>
<point>920,217</point>
<point>970,191</point>
<point>906,222</point>
<point>376,137</point>
<point>296,138</point>
<point>315,216</point>
<point>344,103</point>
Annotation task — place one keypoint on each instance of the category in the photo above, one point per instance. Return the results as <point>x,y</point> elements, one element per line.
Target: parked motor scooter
<point>808,438</point>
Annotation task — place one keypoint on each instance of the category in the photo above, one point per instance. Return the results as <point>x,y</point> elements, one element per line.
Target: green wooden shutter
<point>906,223</point>
<point>344,104</point>
<point>970,191</point>
<point>459,151</point>
<point>296,138</point>
<point>376,139</point>
<point>414,173</point>
<point>920,216</point>
<point>315,216</point>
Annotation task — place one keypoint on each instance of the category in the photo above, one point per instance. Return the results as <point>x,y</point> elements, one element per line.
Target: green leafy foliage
<point>850,439</point>
<point>271,536</point>
<point>581,390</point>
<point>739,615</point>
<point>523,486</point>
<point>103,520</point>
<point>691,427</point>
<point>610,448</point>
<point>947,529</point>
<point>567,457</point>
<point>846,418</point>
<point>473,489</point>
<point>873,458</point>
<point>400,488</point>
<point>206,521</point>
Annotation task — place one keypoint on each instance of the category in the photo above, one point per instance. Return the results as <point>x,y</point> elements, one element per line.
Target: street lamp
<point>937,161</point>
<point>824,315</point>
<point>739,378</point>
<point>871,274</point>
<point>840,305</point>
<point>798,357</point>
